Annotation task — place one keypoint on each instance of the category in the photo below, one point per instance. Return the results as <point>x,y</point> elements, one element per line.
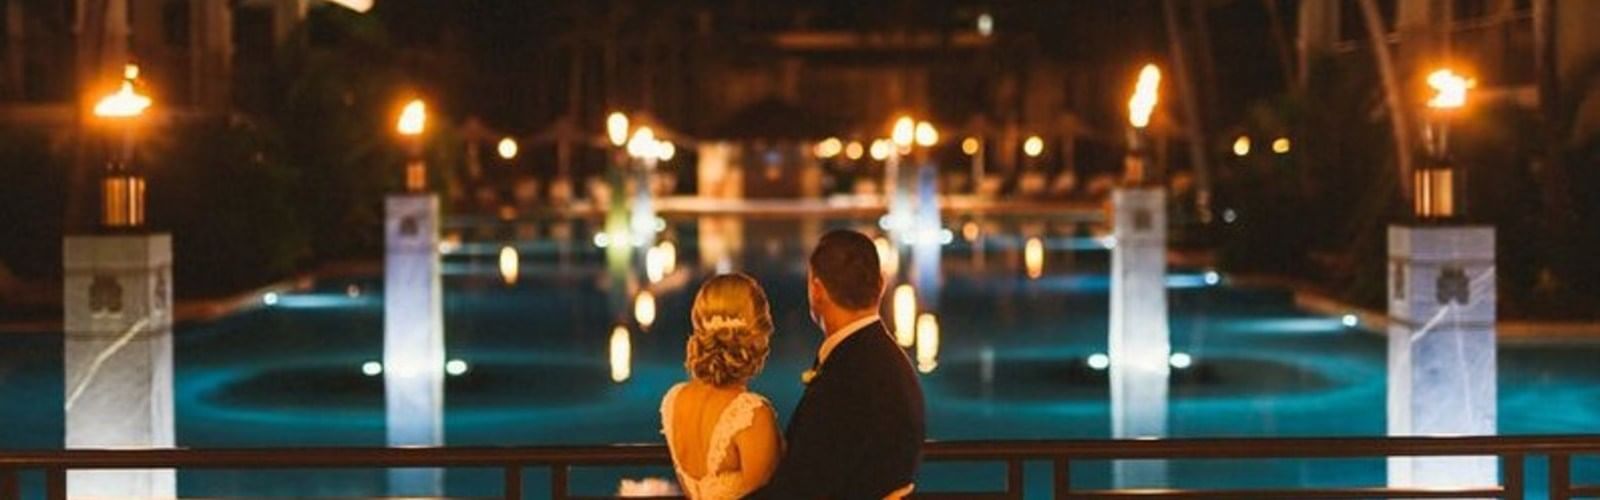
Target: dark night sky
<point>500,39</point>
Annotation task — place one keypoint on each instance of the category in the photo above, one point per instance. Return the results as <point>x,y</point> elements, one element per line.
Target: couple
<point>858,430</point>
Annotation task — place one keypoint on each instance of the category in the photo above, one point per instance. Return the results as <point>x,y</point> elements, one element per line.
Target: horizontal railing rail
<point>1513,452</point>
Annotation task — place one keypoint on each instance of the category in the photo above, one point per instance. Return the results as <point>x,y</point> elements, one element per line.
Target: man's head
<point>845,276</point>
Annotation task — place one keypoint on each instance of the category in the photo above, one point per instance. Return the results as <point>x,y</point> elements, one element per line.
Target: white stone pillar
<point>117,299</point>
<point>1442,348</point>
<point>899,191</point>
<point>1139,341</point>
<point>927,239</point>
<point>644,217</point>
<point>413,342</point>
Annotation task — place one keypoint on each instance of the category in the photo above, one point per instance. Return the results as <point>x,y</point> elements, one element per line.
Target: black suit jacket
<point>858,430</point>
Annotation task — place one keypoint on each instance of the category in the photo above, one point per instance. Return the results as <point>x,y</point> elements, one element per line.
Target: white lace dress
<point>736,417</point>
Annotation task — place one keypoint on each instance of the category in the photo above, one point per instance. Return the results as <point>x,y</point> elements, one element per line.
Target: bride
<point>723,438</point>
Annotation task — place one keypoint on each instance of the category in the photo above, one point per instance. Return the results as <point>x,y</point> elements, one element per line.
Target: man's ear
<point>819,294</point>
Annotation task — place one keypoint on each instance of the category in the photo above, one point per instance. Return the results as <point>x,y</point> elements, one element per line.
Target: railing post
<point>513,482</point>
<point>9,489</point>
<point>1511,468</point>
<point>55,484</point>
<point>558,481</point>
<point>1014,478</point>
<point>1560,477</point>
<point>1063,476</point>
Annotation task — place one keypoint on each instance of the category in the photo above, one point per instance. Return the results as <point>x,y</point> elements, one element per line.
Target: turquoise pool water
<point>1012,362</point>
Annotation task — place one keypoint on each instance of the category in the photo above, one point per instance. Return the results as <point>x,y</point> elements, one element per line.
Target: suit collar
<point>833,341</point>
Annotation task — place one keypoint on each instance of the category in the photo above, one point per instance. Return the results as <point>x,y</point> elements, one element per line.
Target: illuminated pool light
<point>372,368</point>
<point>1099,361</point>
<point>1350,320</point>
<point>1180,360</point>
<point>270,299</point>
<point>455,367</point>
<point>1213,278</point>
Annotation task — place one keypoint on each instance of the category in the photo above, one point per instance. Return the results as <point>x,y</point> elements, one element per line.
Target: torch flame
<point>904,132</point>
<point>412,118</point>
<point>1451,88</point>
<point>643,144</point>
<point>507,148</point>
<point>617,128</point>
<point>926,134</point>
<point>125,102</point>
<point>1145,95</point>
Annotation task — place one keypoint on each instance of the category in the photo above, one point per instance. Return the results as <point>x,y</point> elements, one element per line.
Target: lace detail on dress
<point>736,417</point>
<point>666,408</point>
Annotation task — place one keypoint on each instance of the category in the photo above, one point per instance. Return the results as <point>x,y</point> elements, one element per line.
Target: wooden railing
<point>1513,452</point>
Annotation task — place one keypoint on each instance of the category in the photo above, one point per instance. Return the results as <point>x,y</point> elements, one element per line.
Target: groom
<point>858,430</point>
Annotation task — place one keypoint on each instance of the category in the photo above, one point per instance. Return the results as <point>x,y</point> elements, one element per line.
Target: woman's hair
<point>732,325</point>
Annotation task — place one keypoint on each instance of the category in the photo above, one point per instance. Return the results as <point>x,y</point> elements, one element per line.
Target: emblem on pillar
<point>1453,286</point>
<point>105,296</point>
<point>408,226</point>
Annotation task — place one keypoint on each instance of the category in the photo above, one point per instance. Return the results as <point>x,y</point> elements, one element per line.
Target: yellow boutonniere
<point>807,376</point>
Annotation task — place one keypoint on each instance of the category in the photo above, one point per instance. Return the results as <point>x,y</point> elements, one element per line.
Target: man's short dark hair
<point>847,263</point>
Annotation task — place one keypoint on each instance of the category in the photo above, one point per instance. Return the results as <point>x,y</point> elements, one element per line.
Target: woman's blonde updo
<point>732,325</point>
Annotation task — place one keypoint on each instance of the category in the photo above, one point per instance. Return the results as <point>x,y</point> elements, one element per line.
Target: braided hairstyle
<point>732,326</point>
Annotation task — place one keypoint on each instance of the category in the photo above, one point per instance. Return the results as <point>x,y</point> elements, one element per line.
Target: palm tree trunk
<point>1393,96</point>
<point>1558,213</point>
<point>1191,109</point>
<point>1281,40</point>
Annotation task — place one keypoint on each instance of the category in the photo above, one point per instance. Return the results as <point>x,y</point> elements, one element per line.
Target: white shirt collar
<point>839,335</point>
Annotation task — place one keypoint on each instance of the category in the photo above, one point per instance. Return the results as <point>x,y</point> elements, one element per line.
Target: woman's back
<point>724,440</point>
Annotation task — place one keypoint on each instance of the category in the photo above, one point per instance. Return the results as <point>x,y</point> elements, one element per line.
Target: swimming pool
<point>1014,360</point>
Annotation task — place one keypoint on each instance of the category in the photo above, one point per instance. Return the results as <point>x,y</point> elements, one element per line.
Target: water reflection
<point>927,240</point>
<point>510,263</point>
<point>721,240</point>
<point>927,343</point>
<point>888,256</point>
<point>644,309</point>
<point>905,314</point>
<point>621,354</point>
<point>655,265</point>
<point>669,256</point>
<point>1033,258</point>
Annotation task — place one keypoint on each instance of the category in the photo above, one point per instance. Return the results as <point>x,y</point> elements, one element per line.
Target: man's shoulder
<point>870,350</point>
<point>864,343</point>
